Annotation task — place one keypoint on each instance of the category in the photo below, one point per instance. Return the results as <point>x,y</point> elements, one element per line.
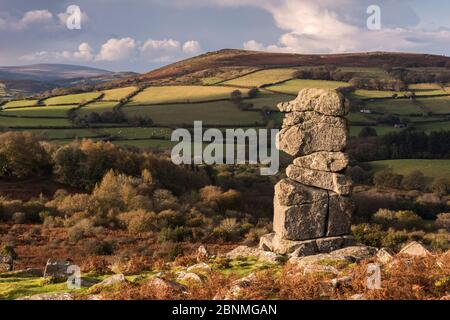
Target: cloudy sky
<point>139,35</point>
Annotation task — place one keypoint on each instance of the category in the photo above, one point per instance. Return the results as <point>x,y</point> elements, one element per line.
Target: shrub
<point>398,219</point>
<point>441,187</point>
<point>100,248</point>
<point>80,230</point>
<point>414,180</point>
<point>387,179</point>
<point>368,235</point>
<point>19,218</point>
<point>22,155</point>
<point>138,221</point>
<point>177,234</point>
<point>443,221</point>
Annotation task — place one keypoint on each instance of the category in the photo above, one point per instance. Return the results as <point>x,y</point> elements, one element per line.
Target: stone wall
<point>312,208</point>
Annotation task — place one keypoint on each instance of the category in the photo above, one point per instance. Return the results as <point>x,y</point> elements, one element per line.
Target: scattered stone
<point>324,101</point>
<point>329,244</point>
<point>167,285</point>
<point>57,270</point>
<point>108,282</point>
<point>266,242</point>
<point>199,267</point>
<point>335,182</point>
<point>384,256</point>
<point>341,282</point>
<point>50,296</point>
<point>323,161</point>
<point>415,249</point>
<point>247,252</point>
<point>202,254</point>
<point>6,263</point>
<point>188,277</point>
<point>355,253</point>
<point>236,289</point>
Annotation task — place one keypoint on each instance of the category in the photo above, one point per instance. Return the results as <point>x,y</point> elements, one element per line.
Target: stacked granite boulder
<point>312,208</point>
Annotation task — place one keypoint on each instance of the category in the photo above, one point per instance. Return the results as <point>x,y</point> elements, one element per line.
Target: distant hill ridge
<point>243,58</point>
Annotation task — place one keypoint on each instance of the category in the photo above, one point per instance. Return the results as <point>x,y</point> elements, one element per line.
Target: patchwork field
<point>72,98</point>
<point>430,168</point>
<point>373,94</point>
<point>33,122</point>
<point>118,94</point>
<point>263,77</point>
<point>211,113</point>
<point>294,86</point>
<point>268,100</point>
<point>98,106</point>
<point>20,103</point>
<point>435,105</point>
<point>427,89</point>
<point>40,112</point>
<point>361,72</point>
<point>183,94</point>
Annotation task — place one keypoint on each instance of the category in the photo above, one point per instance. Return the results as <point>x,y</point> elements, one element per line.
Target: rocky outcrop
<point>312,208</point>
<point>57,270</point>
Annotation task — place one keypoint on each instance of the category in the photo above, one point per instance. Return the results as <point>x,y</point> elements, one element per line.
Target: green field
<point>268,100</point>
<point>98,106</point>
<point>182,94</point>
<point>40,112</point>
<point>435,105</point>
<point>36,122</point>
<point>372,94</point>
<point>427,89</point>
<point>72,98</point>
<point>211,113</point>
<point>397,106</point>
<point>20,103</point>
<point>118,94</point>
<point>362,72</point>
<point>360,117</point>
<point>294,86</point>
<point>430,168</point>
<point>263,77</point>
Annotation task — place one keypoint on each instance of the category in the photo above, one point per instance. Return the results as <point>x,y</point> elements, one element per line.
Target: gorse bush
<point>398,219</point>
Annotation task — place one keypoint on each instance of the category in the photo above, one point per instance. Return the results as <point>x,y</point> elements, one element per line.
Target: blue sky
<point>140,35</point>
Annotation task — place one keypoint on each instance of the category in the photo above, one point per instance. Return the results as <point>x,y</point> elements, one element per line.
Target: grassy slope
<point>41,112</point>
<point>118,94</point>
<point>294,86</point>
<point>211,113</point>
<point>262,77</point>
<point>72,98</point>
<point>182,94</point>
<point>20,103</point>
<point>430,168</point>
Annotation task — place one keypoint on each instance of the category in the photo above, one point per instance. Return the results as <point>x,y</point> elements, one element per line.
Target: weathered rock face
<point>323,161</point>
<point>324,101</point>
<point>57,270</point>
<point>312,210</point>
<point>304,133</point>
<point>335,182</point>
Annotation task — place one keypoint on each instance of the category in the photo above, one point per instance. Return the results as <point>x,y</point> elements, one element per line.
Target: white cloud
<point>192,47</point>
<point>121,49</point>
<point>117,49</point>
<point>168,50</point>
<point>32,18</point>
